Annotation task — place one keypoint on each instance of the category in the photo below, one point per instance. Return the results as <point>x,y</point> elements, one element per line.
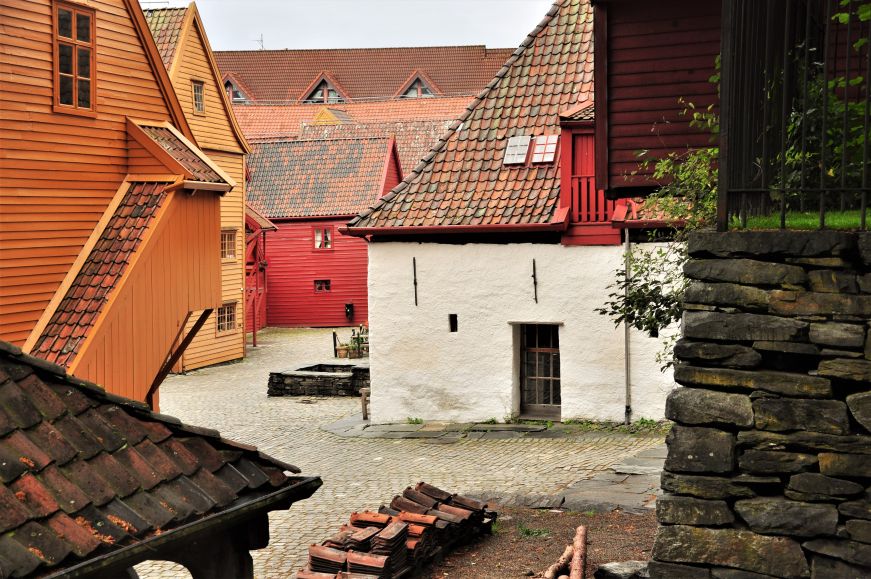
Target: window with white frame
<point>226,317</point>
<point>197,93</point>
<point>515,152</point>
<point>228,244</point>
<point>544,148</point>
<point>323,237</point>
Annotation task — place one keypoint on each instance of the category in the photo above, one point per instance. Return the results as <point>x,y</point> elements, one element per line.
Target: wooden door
<point>540,395</point>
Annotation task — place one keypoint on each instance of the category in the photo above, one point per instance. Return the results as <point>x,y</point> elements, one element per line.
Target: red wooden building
<point>308,189</point>
<point>256,227</point>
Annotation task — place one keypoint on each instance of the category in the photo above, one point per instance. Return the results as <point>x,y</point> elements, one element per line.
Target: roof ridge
<point>275,140</point>
<point>358,100</point>
<point>428,46</point>
<point>527,42</point>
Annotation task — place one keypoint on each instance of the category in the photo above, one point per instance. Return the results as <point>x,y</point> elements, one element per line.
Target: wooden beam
<point>175,355</point>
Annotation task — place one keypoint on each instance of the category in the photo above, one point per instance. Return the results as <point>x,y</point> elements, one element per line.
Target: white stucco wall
<point>420,369</point>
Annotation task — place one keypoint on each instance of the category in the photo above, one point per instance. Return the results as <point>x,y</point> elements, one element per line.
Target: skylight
<point>515,153</point>
<point>544,148</point>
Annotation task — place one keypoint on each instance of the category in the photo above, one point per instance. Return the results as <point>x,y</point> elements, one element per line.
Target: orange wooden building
<point>184,47</point>
<point>109,210</point>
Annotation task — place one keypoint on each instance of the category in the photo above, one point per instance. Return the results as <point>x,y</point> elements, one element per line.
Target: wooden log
<point>579,561</point>
<point>561,564</point>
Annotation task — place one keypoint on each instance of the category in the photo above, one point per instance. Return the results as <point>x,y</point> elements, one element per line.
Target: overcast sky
<point>238,24</point>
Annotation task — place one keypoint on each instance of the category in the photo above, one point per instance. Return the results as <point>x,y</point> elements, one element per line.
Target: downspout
<point>627,367</point>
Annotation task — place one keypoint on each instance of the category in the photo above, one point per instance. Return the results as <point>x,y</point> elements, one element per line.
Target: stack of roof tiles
<point>400,539</point>
<point>463,181</point>
<point>84,473</point>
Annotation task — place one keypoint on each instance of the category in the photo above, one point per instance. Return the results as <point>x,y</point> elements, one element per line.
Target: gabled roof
<point>463,181</point>
<point>317,178</point>
<point>422,77</point>
<point>86,474</point>
<point>192,159</point>
<point>364,73</point>
<point>323,78</point>
<point>166,25</point>
<point>286,121</point>
<point>255,219</point>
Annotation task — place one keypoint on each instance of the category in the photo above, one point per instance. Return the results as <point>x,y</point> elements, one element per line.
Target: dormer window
<point>516,151</point>
<point>74,55</point>
<point>544,148</point>
<point>417,89</point>
<point>236,95</point>
<point>324,93</point>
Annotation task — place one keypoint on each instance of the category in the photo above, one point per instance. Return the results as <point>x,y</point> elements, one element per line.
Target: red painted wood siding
<point>294,264</point>
<point>658,52</point>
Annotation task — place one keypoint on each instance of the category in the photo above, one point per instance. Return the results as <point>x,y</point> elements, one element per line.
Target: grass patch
<point>641,426</point>
<point>530,533</point>
<point>844,220</point>
<point>411,420</point>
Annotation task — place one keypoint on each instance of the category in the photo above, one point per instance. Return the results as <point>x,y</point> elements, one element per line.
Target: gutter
<point>147,548</point>
<point>627,365</point>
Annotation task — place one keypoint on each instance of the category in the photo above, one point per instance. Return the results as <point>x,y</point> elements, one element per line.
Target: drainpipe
<point>627,419</point>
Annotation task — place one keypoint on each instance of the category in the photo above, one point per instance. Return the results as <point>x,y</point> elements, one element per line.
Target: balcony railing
<point>588,203</point>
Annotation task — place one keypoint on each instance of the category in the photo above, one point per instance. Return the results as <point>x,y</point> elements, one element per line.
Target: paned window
<point>518,147</point>
<point>324,93</point>
<point>227,317</point>
<point>417,89</point>
<point>236,95</point>
<point>544,148</point>
<point>228,244</point>
<point>323,237</point>
<point>322,286</point>
<point>74,46</point>
<point>197,90</point>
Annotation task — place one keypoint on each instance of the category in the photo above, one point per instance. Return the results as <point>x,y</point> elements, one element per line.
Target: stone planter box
<point>336,378</point>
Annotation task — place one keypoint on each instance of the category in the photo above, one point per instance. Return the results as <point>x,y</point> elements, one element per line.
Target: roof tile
<point>13,513</point>
<point>166,25</point>
<point>42,542</point>
<point>81,542</point>
<point>32,493</point>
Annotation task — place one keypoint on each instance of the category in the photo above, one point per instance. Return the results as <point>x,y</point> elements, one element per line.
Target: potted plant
<point>342,350</point>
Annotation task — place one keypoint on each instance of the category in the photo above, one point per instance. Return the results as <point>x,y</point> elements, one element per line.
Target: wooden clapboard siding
<point>59,171</point>
<point>216,133</point>
<point>657,53</point>
<point>294,264</point>
<point>131,340</point>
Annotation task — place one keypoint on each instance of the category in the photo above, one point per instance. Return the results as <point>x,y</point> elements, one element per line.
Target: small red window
<point>74,57</point>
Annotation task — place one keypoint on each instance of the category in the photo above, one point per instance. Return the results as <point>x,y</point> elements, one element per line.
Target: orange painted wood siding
<point>59,171</point>
<point>133,338</point>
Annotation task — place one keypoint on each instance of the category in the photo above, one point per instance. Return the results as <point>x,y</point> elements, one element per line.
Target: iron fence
<point>794,106</point>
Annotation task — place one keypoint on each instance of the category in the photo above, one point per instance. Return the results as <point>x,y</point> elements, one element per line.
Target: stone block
<point>783,383</point>
<point>797,348</point>
<point>742,327</point>
<point>679,510</point>
<point>864,283</point>
<point>860,408</point>
<point>660,570</point>
<point>775,461</point>
<point>778,516</point>
<point>700,406</point>
<point>832,281</point>
<point>726,294</point>
<point>859,530</point>
<point>724,573</point>
<point>699,449</point>
<point>745,271</point>
<point>783,414</point>
<point>795,303</point>
<point>825,487</point>
<point>863,242</point>
<point>839,335</point>
<point>824,243</point>
<point>858,509</point>
<point>622,570</point>
<point>709,353</point>
<point>849,465</point>
<point>846,369</point>
<point>778,556</point>
<point>827,568</point>
<point>805,441</point>
<point>845,550</point>
<point>705,487</point>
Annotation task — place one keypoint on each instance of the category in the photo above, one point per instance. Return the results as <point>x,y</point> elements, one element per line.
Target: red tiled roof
<point>78,310</point>
<point>286,121</point>
<point>316,178</point>
<point>165,25</point>
<point>182,153</point>
<point>364,73</point>
<point>414,139</point>
<point>463,181</point>
<point>85,474</point>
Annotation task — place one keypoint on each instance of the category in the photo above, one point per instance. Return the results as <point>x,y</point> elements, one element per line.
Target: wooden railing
<point>588,203</point>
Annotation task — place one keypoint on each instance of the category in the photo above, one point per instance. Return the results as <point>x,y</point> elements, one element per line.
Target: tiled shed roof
<point>182,153</point>
<point>363,73</point>
<point>86,474</point>
<point>78,310</point>
<point>316,178</point>
<point>166,25</point>
<point>463,181</point>
<point>287,121</point>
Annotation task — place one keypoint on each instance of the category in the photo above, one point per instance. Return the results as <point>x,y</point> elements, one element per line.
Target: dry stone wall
<point>769,462</point>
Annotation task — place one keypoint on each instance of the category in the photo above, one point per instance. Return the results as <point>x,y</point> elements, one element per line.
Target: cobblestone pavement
<point>361,473</point>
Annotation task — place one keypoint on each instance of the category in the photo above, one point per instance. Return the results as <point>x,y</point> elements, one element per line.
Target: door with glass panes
<point>539,371</point>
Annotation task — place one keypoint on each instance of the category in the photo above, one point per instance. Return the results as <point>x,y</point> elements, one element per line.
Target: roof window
<point>518,147</point>
<point>544,148</point>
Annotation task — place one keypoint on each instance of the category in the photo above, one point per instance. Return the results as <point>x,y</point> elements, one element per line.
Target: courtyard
<point>362,473</point>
